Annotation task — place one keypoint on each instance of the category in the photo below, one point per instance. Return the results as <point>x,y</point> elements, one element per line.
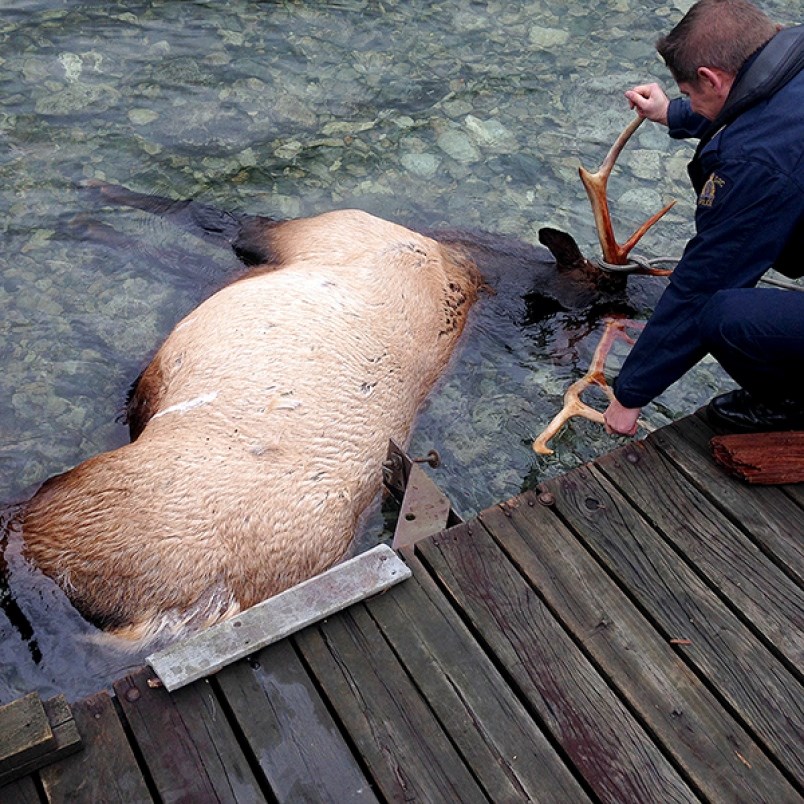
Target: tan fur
<point>271,407</point>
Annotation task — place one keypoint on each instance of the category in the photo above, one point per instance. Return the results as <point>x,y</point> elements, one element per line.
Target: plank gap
<point>139,758</point>
<point>242,741</point>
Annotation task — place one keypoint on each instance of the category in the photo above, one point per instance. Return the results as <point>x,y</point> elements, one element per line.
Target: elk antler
<point>573,406</point>
<point>595,185</point>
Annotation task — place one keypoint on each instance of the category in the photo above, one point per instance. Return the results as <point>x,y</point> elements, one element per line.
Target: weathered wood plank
<point>190,749</point>
<point>290,731</point>
<point>497,737</point>
<point>25,732</point>
<point>724,763</point>
<point>796,493</point>
<point>748,581</point>
<point>768,515</point>
<point>106,770</point>
<point>605,743</point>
<point>212,649</point>
<point>404,748</point>
<point>735,663</point>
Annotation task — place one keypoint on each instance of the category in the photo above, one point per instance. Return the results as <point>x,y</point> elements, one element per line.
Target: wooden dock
<point>630,632</point>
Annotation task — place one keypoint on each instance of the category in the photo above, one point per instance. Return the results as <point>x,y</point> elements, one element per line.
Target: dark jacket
<point>748,173</point>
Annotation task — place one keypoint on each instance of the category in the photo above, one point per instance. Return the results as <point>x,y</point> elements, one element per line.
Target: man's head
<point>706,49</point>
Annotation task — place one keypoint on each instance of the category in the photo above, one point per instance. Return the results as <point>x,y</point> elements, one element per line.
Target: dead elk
<point>260,426</point>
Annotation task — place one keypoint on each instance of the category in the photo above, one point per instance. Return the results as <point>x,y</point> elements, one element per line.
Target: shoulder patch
<point>710,188</point>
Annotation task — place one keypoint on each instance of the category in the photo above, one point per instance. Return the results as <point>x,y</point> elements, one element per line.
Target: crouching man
<point>743,79</point>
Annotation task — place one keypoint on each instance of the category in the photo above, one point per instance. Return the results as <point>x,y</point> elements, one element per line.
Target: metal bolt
<point>433,459</point>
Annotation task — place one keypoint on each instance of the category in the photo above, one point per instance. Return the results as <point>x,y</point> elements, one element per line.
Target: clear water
<point>472,114</point>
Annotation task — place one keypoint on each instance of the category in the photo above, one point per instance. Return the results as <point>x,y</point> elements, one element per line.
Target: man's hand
<point>620,420</point>
<point>649,101</point>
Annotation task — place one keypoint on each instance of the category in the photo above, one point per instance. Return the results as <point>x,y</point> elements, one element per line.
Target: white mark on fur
<point>190,404</point>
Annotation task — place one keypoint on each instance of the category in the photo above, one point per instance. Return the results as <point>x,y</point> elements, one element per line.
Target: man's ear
<point>714,78</point>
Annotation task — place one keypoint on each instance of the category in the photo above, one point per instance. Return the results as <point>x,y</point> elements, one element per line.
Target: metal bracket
<point>425,509</point>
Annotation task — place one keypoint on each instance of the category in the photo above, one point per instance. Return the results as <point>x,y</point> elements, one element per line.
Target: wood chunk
<point>25,732</point>
<point>41,732</point>
<point>762,458</point>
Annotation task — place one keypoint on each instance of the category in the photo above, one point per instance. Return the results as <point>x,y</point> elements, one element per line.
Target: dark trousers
<point>757,335</point>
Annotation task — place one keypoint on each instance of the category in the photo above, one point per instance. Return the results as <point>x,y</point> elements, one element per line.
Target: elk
<point>260,426</point>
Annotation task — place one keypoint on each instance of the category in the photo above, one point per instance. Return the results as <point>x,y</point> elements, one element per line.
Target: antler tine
<point>595,185</point>
<point>573,406</point>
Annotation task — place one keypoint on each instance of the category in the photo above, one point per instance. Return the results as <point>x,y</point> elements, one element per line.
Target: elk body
<point>260,427</point>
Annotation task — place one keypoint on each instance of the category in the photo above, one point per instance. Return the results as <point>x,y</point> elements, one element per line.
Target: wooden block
<point>209,651</point>
<point>65,741</point>
<point>764,458</point>
<point>25,732</point>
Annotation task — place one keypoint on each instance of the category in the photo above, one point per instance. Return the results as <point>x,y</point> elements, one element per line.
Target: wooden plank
<point>748,581</point>
<point>606,744</point>
<point>404,748</point>
<point>721,647</point>
<point>212,649</point>
<point>796,493</point>
<point>25,732</point>
<point>189,748</point>
<point>724,763</point>
<point>768,515</point>
<point>287,726</point>
<point>498,738</point>
<point>106,770</point>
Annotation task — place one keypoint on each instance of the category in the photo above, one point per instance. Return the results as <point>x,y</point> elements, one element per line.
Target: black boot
<point>741,412</point>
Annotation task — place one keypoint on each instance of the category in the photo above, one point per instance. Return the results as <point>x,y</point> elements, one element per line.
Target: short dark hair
<point>715,33</point>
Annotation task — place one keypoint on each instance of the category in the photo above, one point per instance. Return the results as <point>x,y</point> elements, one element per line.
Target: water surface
<point>471,114</point>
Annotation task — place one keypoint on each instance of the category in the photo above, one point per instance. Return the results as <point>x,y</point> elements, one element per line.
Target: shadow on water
<point>432,114</point>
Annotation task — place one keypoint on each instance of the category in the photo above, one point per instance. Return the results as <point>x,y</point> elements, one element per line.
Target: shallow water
<point>471,114</point>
